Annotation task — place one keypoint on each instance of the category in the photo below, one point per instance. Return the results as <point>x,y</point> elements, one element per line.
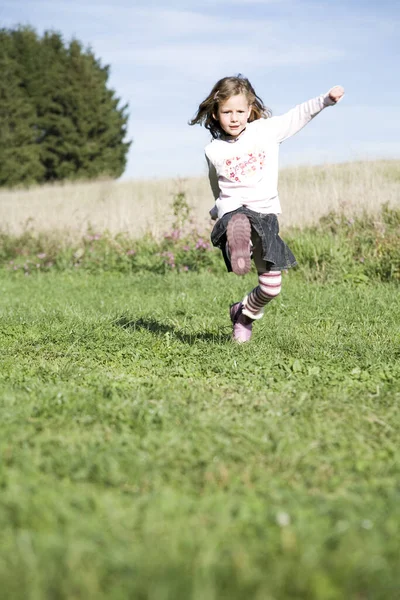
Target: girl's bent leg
<point>252,306</point>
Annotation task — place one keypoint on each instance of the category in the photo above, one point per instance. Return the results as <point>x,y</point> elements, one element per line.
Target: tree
<point>79,128</point>
<point>19,153</point>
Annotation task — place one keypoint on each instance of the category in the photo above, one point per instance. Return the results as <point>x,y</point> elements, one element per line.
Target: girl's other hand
<point>336,93</point>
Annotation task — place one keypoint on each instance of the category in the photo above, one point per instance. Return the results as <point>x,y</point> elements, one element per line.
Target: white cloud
<point>199,58</point>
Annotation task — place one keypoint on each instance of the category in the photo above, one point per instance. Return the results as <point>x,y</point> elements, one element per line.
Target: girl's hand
<point>336,93</point>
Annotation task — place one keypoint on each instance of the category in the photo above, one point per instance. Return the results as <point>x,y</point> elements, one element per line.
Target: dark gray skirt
<point>276,253</point>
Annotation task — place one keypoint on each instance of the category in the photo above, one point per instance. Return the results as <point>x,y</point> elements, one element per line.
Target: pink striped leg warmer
<point>269,286</point>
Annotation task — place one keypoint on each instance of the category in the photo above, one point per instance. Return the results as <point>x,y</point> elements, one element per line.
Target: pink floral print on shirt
<point>242,168</point>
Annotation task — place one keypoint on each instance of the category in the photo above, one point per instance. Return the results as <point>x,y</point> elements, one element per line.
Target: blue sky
<point>164,58</point>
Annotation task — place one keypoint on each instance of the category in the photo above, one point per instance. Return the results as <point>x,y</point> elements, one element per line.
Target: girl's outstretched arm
<point>295,119</point>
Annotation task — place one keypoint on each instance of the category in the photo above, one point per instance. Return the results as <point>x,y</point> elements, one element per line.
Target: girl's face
<point>233,114</point>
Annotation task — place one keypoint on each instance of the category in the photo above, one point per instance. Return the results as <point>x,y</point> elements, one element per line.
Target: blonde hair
<point>223,90</point>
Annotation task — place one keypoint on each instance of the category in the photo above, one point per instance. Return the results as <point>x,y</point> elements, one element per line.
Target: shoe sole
<point>238,234</point>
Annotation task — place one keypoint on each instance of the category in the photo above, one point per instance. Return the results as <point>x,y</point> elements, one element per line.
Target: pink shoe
<point>238,234</point>
<point>242,325</point>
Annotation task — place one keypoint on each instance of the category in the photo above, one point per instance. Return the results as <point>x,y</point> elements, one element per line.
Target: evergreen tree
<point>78,126</point>
<point>19,153</point>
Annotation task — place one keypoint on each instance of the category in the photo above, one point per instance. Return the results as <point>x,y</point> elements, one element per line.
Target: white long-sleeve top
<point>244,172</point>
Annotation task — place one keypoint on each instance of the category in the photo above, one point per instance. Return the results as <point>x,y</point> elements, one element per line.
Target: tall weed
<point>359,248</point>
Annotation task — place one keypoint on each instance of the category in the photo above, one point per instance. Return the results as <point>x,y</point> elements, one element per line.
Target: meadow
<point>143,206</point>
<point>144,455</point>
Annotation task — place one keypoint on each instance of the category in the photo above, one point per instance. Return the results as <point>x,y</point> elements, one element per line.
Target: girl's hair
<point>221,92</point>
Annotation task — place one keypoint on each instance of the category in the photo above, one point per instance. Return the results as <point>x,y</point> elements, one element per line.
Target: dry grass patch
<point>138,207</point>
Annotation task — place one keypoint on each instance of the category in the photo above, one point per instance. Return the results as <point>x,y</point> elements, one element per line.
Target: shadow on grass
<point>162,329</point>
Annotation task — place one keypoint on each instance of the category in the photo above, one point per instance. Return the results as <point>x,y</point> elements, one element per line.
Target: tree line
<point>58,118</point>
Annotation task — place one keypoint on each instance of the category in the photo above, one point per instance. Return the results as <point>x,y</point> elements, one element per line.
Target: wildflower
<point>170,259</point>
<point>131,252</point>
<point>185,268</point>
<point>201,244</point>
<point>41,255</point>
<point>174,235</point>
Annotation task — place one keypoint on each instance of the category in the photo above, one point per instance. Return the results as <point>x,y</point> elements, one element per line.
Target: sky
<point>165,57</point>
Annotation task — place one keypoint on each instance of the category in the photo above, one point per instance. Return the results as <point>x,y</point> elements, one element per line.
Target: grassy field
<point>145,456</point>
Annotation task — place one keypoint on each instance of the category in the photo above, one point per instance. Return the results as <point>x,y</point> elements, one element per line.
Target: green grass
<point>145,456</point>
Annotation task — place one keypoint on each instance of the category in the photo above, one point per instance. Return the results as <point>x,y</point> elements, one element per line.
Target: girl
<point>243,171</point>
